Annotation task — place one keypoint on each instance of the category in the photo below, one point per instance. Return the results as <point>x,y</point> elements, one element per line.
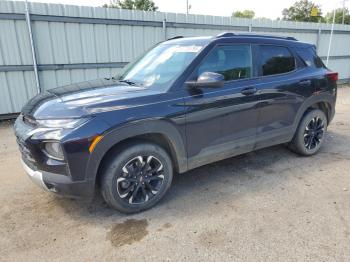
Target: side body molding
<point>143,127</point>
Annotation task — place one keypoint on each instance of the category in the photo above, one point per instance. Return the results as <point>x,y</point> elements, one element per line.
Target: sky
<point>262,8</point>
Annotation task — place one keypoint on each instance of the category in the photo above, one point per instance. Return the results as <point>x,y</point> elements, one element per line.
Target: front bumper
<point>68,177</point>
<point>60,184</point>
<point>35,176</point>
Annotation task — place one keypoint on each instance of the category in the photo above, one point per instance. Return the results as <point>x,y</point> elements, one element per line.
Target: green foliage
<point>145,5</point>
<point>244,14</point>
<point>339,16</point>
<point>301,11</point>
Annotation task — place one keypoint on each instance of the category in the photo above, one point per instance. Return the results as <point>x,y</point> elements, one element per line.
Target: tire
<point>310,134</point>
<point>144,168</point>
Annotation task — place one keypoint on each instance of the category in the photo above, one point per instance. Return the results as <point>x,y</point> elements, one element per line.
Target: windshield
<point>161,66</point>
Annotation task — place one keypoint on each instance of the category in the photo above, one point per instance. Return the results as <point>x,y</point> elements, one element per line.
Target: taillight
<point>332,76</point>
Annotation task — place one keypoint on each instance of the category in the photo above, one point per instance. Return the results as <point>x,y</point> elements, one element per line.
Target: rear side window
<point>232,61</point>
<point>276,60</point>
<point>309,57</point>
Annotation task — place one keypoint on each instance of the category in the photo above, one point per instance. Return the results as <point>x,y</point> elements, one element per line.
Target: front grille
<point>24,150</point>
<point>22,131</point>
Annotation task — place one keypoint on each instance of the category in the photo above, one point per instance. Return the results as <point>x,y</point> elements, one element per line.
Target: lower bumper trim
<point>35,176</point>
<point>60,184</point>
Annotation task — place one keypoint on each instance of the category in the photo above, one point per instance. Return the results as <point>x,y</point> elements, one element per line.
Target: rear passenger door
<point>282,89</point>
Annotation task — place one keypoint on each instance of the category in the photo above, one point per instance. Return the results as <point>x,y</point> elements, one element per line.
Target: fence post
<point>318,38</point>
<point>164,28</point>
<point>35,65</point>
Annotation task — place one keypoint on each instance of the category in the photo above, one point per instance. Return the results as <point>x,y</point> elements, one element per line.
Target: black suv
<point>185,103</point>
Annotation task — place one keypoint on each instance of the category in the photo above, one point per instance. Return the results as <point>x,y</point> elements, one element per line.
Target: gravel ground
<point>269,205</point>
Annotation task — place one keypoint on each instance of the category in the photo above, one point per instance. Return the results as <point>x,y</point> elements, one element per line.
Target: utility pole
<point>35,65</point>
<point>330,38</point>
<point>187,9</point>
<point>343,19</point>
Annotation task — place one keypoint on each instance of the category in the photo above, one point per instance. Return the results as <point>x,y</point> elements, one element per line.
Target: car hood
<point>85,98</point>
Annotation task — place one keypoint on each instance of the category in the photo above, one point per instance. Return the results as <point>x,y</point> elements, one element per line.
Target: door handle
<point>248,91</point>
<point>305,82</point>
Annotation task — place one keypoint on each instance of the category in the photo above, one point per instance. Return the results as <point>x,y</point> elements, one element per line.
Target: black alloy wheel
<point>314,133</point>
<point>140,180</point>
<point>310,133</point>
<point>136,177</point>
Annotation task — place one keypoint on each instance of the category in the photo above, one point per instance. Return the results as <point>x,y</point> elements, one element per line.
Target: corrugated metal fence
<point>75,43</point>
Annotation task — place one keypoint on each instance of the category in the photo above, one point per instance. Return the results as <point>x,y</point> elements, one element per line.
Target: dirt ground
<point>269,205</point>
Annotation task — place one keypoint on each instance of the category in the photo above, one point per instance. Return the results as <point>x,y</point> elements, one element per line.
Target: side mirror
<point>208,79</point>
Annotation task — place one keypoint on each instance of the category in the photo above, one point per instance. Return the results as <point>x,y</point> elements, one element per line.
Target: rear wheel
<point>310,134</point>
<point>137,178</point>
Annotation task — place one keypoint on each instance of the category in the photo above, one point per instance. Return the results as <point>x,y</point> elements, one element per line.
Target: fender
<point>130,130</point>
<point>323,97</point>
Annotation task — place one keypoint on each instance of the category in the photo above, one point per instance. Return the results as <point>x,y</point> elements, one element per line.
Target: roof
<point>240,38</point>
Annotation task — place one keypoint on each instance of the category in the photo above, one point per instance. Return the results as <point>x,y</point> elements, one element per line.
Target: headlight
<point>61,123</point>
<point>54,150</point>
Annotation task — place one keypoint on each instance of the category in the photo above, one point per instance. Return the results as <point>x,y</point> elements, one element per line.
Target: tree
<point>145,5</point>
<point>301,11</point>
<point>339,16</point>
<point>244,14</point>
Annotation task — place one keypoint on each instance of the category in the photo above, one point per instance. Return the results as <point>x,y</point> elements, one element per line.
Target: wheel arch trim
<point>321,98</point>
<point>144,127</point>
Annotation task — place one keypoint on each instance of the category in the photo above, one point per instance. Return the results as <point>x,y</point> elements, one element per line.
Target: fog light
<point>54,150</point>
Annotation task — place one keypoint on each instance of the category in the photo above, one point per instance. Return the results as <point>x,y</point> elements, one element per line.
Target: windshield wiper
<point>129,82</point>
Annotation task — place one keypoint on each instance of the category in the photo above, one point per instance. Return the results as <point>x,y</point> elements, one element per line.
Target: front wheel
<point>137,178</point>
<point>310,134</point>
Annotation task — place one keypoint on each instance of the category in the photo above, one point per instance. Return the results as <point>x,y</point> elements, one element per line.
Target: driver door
<point>221,122</point>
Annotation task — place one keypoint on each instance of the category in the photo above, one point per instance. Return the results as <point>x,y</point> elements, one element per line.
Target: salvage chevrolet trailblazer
<point>185,103</point>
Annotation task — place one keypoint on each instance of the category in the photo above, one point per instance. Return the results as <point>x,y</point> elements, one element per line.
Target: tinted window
<point>308,55</point>
<point>232,61</point>
<point>276,60</point>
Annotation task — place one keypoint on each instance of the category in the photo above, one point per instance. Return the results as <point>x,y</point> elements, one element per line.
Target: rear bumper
<point>60,184</point>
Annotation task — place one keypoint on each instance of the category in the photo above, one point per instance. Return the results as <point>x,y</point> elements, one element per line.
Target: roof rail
<point>175,37</point>
<point>226,34</point>
<point>270,36</point>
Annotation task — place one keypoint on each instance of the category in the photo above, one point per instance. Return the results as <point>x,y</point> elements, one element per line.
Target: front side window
<point>161,66</point>
<point>276,60</point>
<point>232,61</point>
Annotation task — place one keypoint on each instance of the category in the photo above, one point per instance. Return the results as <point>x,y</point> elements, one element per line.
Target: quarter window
<point>308,55</point>
<point>232,61</point>
<point>276,60</point>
